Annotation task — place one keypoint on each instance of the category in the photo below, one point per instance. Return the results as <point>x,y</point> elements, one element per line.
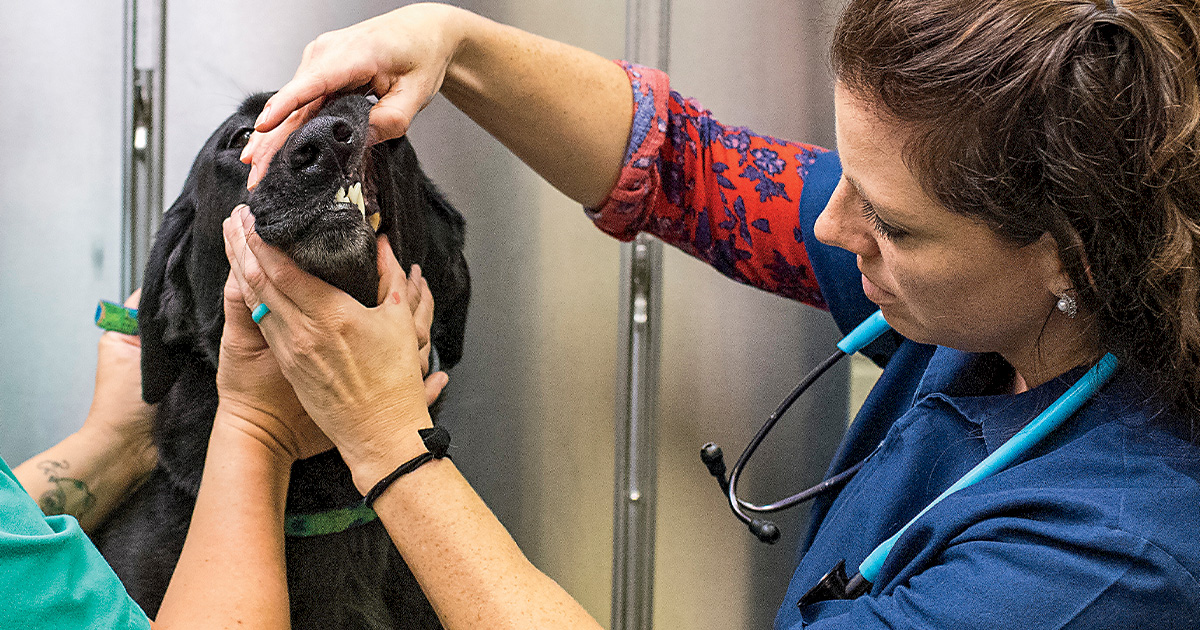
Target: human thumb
<point>392,115</point>
<point>392,281</point>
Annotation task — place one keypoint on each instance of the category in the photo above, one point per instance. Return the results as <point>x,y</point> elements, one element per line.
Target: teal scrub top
<point>51,575</point>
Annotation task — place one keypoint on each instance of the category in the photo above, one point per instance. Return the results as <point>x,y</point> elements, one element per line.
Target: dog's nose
<point>324,144</point>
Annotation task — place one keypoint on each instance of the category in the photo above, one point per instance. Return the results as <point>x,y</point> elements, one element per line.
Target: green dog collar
<point>327,522</point>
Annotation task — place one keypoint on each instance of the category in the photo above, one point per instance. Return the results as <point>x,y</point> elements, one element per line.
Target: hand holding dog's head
<point>318,202</point>
<point>329,193</point>
<point>250,383</point>
<point>357,370</point>
<point>298,209</point>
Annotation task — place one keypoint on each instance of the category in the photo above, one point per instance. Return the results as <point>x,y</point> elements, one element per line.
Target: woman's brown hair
<point>1074,118</point>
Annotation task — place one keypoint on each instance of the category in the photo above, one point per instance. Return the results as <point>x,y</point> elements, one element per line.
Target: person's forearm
<point>231,572</point>
<point>564,111</point>
<point>466,562</point>
<point>86,475</point>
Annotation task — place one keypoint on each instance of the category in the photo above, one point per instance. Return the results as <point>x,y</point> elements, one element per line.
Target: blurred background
<point>531,405</point>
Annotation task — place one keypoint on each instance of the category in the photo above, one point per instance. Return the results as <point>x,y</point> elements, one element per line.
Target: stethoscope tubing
<point>866,332</point>
<point>736,472</point>
<point>766,531</point>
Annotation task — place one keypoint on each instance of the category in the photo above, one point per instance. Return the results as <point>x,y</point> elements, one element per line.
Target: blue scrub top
<point>51,576</point>
<point>1098,527</point>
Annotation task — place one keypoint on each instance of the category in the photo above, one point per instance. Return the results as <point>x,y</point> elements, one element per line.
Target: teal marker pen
<point>112,316</point>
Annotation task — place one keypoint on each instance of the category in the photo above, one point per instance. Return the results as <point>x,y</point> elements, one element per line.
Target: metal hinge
<point>142,153</point>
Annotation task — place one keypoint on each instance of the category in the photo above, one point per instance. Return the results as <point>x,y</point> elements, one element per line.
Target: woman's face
<point>939,277</point>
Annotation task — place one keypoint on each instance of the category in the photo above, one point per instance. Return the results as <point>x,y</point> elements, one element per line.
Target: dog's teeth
<point>356,198</point>
<point>340,196</point>
<point>374,221</point>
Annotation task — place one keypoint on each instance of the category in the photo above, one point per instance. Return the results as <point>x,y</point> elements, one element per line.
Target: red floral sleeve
<point>722,194</point>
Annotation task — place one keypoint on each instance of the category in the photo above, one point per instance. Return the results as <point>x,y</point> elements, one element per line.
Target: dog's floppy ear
<point>426,229</point>
<point>165,311</point>
<point>446,271</point>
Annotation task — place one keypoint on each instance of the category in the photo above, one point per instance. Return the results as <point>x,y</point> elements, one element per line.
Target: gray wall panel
<point>60,72</point>
<point>762,65</point>
<point>533,398</point>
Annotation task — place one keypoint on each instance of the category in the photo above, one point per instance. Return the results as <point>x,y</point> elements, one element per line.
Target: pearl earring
<point>1067,304</point>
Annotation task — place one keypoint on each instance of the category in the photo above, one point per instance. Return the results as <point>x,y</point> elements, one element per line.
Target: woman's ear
<point>1054,274</point>
<point>1077,266</point>
<point>1065,280</point>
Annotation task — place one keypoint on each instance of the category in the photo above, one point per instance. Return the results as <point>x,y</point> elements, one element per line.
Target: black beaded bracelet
<point>436,439</point>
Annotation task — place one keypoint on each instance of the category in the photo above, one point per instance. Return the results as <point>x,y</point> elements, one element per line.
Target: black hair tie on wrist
<point>436,439</point>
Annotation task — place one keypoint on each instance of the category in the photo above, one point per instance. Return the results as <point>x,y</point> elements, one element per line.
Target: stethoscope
<point>835,584</point>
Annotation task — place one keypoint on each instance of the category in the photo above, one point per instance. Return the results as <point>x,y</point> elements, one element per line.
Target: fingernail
<point>252,181</point>
<point>249,148</point>
<point>247,219</point>
<point>262,116</point>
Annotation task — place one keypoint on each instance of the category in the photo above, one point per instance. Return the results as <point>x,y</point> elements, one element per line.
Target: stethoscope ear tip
<point>765,531</point>
<point>714,460</point>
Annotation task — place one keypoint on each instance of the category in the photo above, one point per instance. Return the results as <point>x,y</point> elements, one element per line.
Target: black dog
<point>324,198</point>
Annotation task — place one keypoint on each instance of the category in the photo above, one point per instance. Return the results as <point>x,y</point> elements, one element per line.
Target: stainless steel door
<point>531,405</point>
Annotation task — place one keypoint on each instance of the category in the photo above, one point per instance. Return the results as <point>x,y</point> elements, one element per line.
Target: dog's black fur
<point>353,579</point>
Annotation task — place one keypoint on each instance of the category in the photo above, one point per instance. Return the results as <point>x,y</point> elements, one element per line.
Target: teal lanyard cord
<point>1010,451</point>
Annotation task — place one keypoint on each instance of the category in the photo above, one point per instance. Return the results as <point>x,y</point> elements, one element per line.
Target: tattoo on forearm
<point>66,495</point>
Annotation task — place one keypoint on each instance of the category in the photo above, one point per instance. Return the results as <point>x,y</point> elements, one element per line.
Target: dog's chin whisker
<point>331,250</point>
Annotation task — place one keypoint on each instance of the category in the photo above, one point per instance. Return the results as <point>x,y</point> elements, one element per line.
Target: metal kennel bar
<point>142,142</point>
<point>635,495</point>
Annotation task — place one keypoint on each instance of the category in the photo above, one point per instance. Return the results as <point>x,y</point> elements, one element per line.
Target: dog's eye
<point>240,138</point>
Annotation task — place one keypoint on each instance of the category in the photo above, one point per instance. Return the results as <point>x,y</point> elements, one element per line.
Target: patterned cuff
<point>622,213</point>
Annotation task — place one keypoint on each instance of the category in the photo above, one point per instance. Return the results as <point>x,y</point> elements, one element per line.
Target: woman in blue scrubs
<point>1017,187</point>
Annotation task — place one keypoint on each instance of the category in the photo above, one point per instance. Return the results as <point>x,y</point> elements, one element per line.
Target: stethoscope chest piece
<point>835,585</point>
